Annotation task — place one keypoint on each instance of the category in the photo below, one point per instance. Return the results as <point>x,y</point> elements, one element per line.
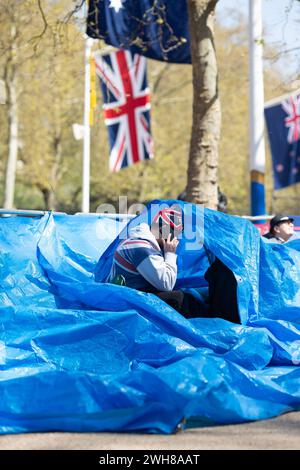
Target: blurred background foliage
<point>50,74</point>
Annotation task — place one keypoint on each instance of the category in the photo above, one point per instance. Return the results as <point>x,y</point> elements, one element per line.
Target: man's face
<point>284,230</point>
<point>166,230</point>
<point>162,233</point>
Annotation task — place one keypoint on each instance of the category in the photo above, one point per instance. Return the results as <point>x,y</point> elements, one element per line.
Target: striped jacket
<point>143,264</point>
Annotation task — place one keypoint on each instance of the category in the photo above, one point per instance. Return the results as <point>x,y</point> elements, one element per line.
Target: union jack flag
<point>126,107</point>
<point>292,121</point>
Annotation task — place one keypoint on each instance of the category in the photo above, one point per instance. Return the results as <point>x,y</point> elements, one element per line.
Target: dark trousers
<point>184,303</point>
<point>173,298</point>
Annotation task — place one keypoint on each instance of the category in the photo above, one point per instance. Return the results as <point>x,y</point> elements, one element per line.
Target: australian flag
<point>157,29</point>
<point>126,107</point>
<point>283,123</point>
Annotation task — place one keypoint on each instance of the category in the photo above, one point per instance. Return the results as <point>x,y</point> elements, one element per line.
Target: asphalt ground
<point>281,433</point>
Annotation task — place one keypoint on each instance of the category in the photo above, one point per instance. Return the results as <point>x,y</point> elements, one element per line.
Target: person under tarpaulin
<point>146,261</point>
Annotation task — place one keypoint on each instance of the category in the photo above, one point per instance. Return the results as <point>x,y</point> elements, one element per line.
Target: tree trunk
<point>12,102</point>
<point>202,187</point>
<point>56,167</point>
<point>46,195</point>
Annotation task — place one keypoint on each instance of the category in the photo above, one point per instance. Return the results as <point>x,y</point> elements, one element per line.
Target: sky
<point>281,29</point>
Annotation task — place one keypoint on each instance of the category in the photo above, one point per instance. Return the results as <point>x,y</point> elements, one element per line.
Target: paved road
<point>282,433</point>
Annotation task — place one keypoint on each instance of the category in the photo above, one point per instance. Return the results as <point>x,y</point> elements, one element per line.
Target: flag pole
<point>256,104</point>
<point>86,132</point>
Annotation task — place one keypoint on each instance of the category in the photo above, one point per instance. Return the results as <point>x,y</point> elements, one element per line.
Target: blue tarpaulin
<point>81,355</point>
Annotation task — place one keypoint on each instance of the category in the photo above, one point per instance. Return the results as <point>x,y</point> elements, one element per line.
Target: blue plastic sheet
<point>80,355</point>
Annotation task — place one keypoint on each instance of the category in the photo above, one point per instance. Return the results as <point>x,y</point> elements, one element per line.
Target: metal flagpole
<point>86,131</point>
<point>256,103</point>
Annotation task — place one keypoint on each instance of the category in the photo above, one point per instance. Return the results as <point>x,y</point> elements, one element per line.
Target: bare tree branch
<point>76,9</point>
<point>38,37</point>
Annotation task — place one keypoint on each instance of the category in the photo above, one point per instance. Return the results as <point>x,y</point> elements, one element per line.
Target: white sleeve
<point>160,271</point>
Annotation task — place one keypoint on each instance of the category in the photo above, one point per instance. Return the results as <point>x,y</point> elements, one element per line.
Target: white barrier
<point>37,213</point>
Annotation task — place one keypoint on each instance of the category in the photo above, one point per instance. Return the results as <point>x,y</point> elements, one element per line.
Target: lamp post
<point>256,104</point>
<point>86,130</point>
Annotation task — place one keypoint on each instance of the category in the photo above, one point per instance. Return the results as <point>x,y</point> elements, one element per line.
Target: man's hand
<point>170,245</point>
